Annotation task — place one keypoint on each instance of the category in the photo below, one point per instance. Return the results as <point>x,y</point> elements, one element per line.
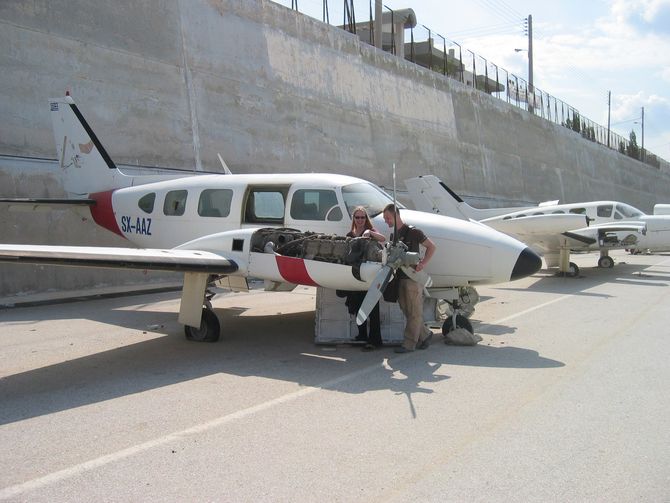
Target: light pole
<point>642,153</point>
<point>531,92</point>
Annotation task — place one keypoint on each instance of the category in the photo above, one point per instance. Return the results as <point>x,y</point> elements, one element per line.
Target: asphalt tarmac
<point>565,399</point>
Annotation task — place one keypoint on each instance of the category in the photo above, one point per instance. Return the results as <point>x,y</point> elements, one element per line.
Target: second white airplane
<point>553,229</point>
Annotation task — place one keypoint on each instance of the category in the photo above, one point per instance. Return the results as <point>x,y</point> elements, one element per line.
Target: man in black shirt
<point>410,298</point>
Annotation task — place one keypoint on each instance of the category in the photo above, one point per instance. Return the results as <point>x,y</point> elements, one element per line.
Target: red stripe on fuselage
<point>293,270</point>
<point>103,212</point>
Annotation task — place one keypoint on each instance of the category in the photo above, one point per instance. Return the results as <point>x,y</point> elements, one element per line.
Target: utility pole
<point>531,90</point>
<point>609,109</point>
<point>642,153</point>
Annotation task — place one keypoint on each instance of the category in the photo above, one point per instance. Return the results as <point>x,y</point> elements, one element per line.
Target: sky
<point>581,50</point>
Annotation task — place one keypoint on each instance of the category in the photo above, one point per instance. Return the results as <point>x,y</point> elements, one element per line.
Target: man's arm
<point>430,251</point>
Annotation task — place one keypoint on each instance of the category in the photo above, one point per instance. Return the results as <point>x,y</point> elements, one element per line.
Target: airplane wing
<point>608,235</point>
<point>550,232</point>
<point>544,233</point>
<point>128,258</point>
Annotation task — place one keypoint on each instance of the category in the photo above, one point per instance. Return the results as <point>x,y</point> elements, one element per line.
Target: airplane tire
<point>573,270</point>
<point>461,322</point>
<point>606,262</point>
<point>209,330</point>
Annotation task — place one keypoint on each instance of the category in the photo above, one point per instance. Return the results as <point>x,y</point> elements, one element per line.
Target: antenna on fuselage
<point>226,169</point>
<point>395,211</point>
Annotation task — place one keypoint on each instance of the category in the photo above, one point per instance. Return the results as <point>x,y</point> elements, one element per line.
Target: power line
<point>487,30</point>
<point>501,9</point>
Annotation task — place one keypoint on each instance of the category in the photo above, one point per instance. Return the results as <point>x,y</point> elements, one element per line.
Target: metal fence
<point>402,36</point>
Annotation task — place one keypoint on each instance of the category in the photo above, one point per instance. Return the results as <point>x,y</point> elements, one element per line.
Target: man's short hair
<point>391,208</point>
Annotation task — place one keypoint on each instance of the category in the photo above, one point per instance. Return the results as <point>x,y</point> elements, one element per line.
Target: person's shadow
<point>407,376</point>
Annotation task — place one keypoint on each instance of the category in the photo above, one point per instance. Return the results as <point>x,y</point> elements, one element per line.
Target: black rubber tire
<point>209,330</point>
<point>572,272</point>
<point>606,262</point>
<point>461,322</point>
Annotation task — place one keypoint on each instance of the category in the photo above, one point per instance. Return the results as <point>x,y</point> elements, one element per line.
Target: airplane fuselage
<point>211,210</point>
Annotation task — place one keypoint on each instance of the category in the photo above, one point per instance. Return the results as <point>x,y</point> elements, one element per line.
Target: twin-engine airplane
<point>553,229</point>
<point>284,228</point>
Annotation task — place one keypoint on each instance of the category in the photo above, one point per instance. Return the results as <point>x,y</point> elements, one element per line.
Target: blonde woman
<point>361,226</point>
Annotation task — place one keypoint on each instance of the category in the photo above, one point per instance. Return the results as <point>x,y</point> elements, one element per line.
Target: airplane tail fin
<point>430,194</point>
<point>86,166</point>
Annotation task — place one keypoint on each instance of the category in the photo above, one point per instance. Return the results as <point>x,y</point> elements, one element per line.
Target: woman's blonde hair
<point>368,223</point>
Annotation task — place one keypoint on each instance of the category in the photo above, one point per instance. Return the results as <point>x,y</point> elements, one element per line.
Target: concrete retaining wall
<point>172,83</point>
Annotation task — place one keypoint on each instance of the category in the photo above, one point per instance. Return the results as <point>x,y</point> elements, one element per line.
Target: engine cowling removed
<point>314,246</point>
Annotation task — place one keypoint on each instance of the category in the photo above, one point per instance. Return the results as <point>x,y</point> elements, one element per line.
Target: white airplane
<point>655,240</point>
<point>553,229</point>
<point>284,228</point>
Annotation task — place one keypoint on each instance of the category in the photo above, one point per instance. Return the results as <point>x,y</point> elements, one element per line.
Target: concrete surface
<point>565,399</point>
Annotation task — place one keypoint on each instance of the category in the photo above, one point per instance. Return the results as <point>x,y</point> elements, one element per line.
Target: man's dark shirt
<point>412,237</point>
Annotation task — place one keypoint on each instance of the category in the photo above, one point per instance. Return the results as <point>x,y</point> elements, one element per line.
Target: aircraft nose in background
<point>528,263</point>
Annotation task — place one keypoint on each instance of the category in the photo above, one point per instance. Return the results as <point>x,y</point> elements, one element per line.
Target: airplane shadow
<point>276,347</point>
<point>622,273</point>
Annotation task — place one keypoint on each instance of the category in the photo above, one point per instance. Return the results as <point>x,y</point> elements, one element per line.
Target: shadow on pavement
<point>276,347</point>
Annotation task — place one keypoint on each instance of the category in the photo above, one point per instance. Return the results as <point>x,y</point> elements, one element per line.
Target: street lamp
<point>531,91</point>
<point>642,153</point>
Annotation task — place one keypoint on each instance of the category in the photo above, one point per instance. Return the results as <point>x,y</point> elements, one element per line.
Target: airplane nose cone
<point>528,263</point>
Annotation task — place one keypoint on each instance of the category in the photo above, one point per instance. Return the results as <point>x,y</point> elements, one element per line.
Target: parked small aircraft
<point>553,229</point>
<point>284,228</point>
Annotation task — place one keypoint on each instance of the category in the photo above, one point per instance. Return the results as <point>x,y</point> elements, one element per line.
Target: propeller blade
<point>374,294</point>
<point>420,277</point>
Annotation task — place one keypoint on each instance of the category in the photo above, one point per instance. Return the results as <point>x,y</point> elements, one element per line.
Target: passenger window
<point>578,211</point>
<point>146,202</point>
<point>315,204</point>
<point>175,202</point>
<point>215,202</point>
<point>265,206</point>
<point>605,211</point>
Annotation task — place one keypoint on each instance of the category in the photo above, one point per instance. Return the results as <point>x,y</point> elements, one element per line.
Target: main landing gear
<point>209,329</point>
<point>572,271</point>
<point>605,262</point>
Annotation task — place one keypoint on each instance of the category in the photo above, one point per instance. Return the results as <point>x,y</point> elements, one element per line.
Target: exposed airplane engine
<point>318,247</point>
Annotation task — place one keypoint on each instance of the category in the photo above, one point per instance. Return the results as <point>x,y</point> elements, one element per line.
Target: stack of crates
<point>334,324</point>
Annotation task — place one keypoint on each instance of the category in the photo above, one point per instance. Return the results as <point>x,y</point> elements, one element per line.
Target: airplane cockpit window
<point>175,202</point>
<point>557,212</point>
<point>265,205</point>
<point>605,210</point>
<point>315,204</point>
<point>371,197</point>
<point>628,211</point>
<point>538,213</point>
<point>578,211</point>
<point>215,202</point>
<point>146,202</point>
